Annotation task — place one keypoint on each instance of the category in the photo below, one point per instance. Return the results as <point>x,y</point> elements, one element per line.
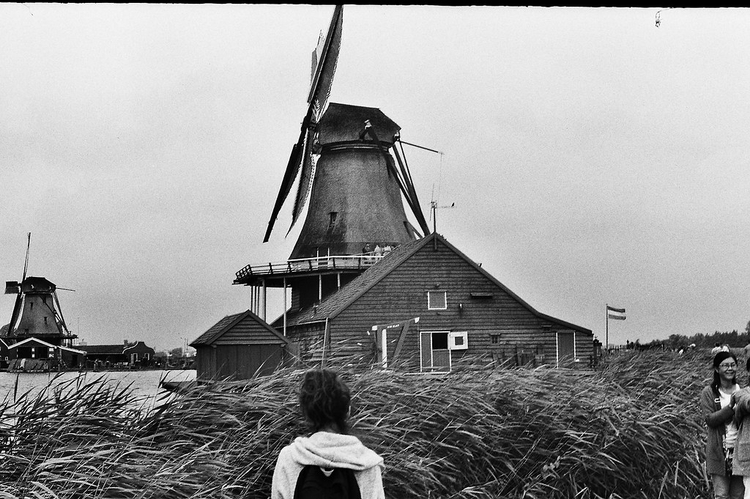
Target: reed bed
<point>630,429</point>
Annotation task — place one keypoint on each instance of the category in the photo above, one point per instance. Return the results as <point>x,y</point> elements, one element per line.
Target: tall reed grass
<point>630,429</point>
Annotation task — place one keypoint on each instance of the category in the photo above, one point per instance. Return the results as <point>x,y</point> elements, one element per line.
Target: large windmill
<point>354,182</point>
<point>36,312</point>
<point>343,164</point>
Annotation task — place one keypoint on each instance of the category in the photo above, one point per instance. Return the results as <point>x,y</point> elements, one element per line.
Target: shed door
<point>565,348</point>
<point>436,357</point>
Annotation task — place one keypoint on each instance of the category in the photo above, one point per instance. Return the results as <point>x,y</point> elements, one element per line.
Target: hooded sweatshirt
<point>328,450</point>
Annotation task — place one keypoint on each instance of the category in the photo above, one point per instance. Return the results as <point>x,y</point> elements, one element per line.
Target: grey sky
<point>592,156</point>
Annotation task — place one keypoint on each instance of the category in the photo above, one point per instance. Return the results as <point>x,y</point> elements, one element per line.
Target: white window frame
<point>445,300</point>
<point>453,344</point>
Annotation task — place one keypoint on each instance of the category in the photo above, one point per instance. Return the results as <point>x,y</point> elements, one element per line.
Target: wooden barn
<point>238,347</point>
<point>428,307</point>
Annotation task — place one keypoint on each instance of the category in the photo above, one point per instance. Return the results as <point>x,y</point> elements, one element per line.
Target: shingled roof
<point>336,303</point>
<point>227,323</point>
<point>332,305</point>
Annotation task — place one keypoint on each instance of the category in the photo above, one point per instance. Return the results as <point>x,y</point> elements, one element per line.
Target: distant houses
<point>125,355</point>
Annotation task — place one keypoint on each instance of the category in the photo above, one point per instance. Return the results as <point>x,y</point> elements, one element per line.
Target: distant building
<point>239,346</point>
<point>127,354</point>
<point>37,338</point>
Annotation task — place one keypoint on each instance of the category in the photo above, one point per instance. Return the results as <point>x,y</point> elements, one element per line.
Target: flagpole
<point>606,327</point>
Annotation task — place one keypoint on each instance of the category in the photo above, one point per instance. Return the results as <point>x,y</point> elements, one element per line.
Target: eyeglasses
<point>728,366</point>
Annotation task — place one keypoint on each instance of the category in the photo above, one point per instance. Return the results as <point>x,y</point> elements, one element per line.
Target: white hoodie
<point>328,450</point>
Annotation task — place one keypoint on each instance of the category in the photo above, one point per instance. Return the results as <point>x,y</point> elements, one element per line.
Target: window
<point>440,341</point>
<point>332,221</point>
<point>437,300</point>
<point>458,340</point>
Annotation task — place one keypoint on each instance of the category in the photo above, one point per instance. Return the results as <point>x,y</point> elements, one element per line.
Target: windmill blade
<point>306,176</point>
<point>403,179</point>
<point>292,168</point>
<point>325,63</point>
<point>58,313</point>
<point>26,262</point>
<point>16,313</point>
<point>416,207</point>
<point>325,59</point>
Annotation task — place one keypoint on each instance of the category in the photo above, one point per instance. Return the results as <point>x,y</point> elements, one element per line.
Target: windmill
<point>354,183</point>
<point>36,312</point>
<point>344,163</point>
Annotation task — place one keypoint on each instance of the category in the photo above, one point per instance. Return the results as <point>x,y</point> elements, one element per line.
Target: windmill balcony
<point>305,266</point>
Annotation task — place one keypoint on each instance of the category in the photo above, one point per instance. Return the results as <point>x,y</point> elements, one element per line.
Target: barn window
<point>45,320</point>
<point>495,339</point>
<point>332,221</point>
<point>437,300</point>
<point>458,340</point>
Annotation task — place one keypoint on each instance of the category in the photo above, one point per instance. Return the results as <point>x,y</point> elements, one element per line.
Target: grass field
<point>630,429</point>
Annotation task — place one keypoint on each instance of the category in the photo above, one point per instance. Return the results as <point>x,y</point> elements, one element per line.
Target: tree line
<point>681,342</point>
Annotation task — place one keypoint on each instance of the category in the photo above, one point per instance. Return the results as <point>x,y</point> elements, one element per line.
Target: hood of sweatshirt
<point>333,450</point>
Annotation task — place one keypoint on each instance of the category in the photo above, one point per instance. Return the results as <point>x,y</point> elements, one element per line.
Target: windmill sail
<point>325,58</point>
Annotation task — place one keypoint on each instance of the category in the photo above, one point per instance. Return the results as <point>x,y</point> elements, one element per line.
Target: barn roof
<point>44,343</point>
<point>336,303</point>
<point>104,349</point>
<point>228,322</point>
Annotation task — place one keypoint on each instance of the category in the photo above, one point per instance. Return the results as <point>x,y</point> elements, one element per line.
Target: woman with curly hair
<point>325,404</point>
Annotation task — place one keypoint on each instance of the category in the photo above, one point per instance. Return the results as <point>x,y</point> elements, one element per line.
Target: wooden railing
<point>314,264</point>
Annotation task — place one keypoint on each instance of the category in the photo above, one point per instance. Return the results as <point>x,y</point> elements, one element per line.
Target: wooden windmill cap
<point>345,123</point>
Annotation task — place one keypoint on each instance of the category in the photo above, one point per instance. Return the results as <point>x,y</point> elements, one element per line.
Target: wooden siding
<point>239,346</point>
<point>237,361</point>
<point>497,323</point>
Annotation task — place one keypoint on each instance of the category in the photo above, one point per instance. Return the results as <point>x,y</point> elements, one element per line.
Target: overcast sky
<point>593,157</point>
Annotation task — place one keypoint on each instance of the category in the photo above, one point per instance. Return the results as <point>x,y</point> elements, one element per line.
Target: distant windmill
<point>37,311</point>
<point>345,167</point>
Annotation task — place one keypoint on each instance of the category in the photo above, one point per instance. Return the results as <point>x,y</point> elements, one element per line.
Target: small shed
<point>239,346</point>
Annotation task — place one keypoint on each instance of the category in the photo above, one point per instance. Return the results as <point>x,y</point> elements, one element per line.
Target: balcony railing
<point>314,264</point>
